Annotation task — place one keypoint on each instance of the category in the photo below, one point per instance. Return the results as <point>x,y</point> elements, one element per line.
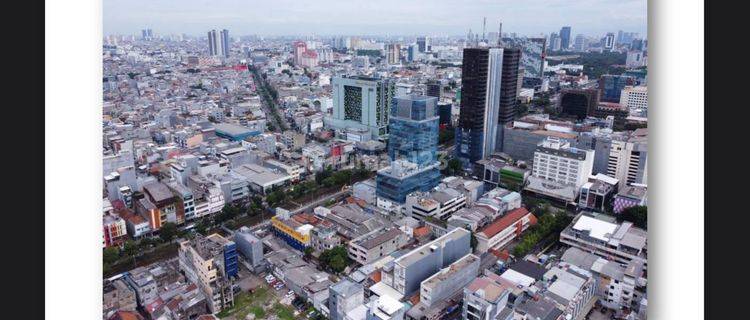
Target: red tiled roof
<point>421,231</point>
<point>376,276</point>
<point>126,315</point>
<point>305,218</point>
<point>505,221</point>
<point>136,219</point>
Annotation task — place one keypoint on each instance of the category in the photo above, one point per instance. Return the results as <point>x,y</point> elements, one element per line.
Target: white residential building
<point>634,98</point>
<point>628,159</point>
<point>556,160</point>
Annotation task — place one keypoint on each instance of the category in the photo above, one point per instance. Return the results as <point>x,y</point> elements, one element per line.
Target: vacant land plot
<point>261,303</point>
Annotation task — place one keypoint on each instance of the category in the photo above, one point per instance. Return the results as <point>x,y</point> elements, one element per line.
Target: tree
<point>110,255</point>
<point>335,259</point>
<point>202,226</point>
<point>275,197</point>
<point>338,263</point>
<point>638,215</point>
<point>522,109</point>
<point>454,167</point>
<point>168,231</point>
<point>130,248</point>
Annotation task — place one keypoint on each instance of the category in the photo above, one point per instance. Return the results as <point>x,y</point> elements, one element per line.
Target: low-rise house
<point>499,233</point>
<point>376,244</point>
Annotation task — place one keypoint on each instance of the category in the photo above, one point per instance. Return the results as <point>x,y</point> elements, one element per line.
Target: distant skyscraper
<point>637,44</point>
<point>488,100</point>
<point>565,38</point>
<point>299,48</point>
<point>393,53</point>
<point>610,86</point>
<point>411,52</point>
<point>500,35</point>
<point>423,44</point>
<point>225,42</point>
<point>608,42</point>
<point>213,43</point>
<point>580,44</point>
<point>555,44</point>
<point>147,34</point>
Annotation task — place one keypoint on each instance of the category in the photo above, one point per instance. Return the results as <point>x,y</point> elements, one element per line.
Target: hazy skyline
<point>384,17</point>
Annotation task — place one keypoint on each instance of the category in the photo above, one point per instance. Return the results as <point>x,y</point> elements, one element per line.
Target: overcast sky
<point>373,17</point>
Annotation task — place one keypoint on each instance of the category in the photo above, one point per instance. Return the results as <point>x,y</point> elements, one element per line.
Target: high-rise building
<point>628,159</point>
<point>635,59</point>
<point>225,43</point>
<point>559,170</point>
<point>393,53</point>
<point>578,102</point>
<point>565,38</point>
<point>556,160</point>
<point>555,43</point>
<point>411,52</point>
<point>413,132</point>
<point>634,98</point>
<point>412,148</point>
<point>423,44</point>
<point>610,86</point>
<point>214,45</point>
<point>608,42</point>
<point>362,103</point>
<point>299,48</point>
<point>533,55</point>
<point>210,262</point>
<point>581,43</point>
<point>637,44</point>
<point>488,100</point>
<point>147,34</point>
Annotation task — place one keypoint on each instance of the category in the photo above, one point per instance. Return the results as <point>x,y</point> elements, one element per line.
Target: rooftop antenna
<point>500,34</point>
<point>484,27</point>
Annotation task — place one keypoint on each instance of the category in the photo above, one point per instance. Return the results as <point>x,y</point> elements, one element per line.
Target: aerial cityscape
<point>479,173</point>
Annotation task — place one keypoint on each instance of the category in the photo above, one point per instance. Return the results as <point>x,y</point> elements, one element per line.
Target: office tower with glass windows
<point>565,38</point>
<point>213,43</point>
<point>362,103</point>
<point>225,43</point>
<point>488,101</point>
<point>423,44</point>
<point>610,86</point>
<point>412,148</point>
<point>413,132</point>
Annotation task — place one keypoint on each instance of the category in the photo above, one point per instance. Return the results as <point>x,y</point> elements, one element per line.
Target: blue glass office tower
<point>414,129</point>
<point>402,178</point>
<point>610,86</point>
<point>412,147</point>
